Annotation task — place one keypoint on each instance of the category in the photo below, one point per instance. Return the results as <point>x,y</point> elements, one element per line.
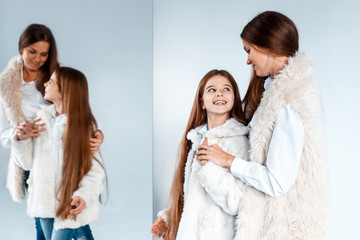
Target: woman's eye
<point>32,52</point>
<point>44,54</point>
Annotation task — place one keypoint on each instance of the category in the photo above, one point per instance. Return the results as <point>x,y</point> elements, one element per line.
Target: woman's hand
<point>96,141</point>
<point>159,228</point>
<point>27,129</point>
<point>214,154</point>
<point>79,205</point>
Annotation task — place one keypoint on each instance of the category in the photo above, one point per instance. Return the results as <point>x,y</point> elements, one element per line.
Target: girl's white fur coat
<point>37,155</point>
<point>211,193</point>
<point>300,214</point>
<point>10,93</point>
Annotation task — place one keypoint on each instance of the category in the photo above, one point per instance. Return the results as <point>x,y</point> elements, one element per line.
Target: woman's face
<point>35,55</point>
<point>52,93</point>
<point>218,96</point>
<point>258,59</point>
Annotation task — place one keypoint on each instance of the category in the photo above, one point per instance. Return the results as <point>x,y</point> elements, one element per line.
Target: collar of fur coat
<point>10,91</point>
<point>298,68</point>
<point>230,128</point>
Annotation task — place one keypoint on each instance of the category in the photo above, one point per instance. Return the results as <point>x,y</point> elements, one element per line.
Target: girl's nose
<point>219,93</point>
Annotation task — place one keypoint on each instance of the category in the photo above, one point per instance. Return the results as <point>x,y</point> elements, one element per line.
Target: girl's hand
<point>79,205</point>
<point>27,129</point>
<point>159,228</point>
<point>214,154</point>
<point>96,142</point>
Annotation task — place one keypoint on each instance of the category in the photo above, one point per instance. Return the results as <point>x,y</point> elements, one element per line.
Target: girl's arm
<point>91,185</point>
<point>224,188</point>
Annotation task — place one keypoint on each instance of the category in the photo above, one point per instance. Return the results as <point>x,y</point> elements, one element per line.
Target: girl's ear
<point>202,104</point>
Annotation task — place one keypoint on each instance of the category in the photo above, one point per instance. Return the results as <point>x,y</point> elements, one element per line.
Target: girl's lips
<point>219,102</point>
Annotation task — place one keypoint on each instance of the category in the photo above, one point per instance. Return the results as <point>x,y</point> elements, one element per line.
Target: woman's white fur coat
<point>211,193</point>
<point>37,155</point>
<point>10,94</point>
<point>300,214</point>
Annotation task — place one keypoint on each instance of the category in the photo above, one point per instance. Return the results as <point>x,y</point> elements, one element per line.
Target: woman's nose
<point>248,61</point>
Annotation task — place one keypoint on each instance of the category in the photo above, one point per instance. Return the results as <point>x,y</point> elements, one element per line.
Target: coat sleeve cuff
<point>238,168</point>
<point>164,213</point>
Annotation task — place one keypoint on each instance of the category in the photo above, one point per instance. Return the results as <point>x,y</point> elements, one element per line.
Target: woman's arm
<point>282,162</point>
<point>96,141</point>
<point>6,131</point>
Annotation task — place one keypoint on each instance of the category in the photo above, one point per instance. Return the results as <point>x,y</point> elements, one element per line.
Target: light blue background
<point>138,56</point>
<point>193,37</point>
<point>111,42</point>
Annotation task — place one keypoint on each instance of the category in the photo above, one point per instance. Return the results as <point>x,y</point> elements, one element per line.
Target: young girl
<point>204,198</point>
<point>66,179</point>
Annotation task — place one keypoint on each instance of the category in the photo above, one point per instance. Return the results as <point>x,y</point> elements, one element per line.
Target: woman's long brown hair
<point>278,34</point>
<point>197,117</point>
<point>81,124</point>
<point>35,33</point>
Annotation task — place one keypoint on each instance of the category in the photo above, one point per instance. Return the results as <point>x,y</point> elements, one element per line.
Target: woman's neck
<point>278,64</point>
<point>58,108</point>
<point>215,120</point>
<point>29,75</point>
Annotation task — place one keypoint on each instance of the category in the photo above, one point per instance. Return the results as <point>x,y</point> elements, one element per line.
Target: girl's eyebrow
<point>210,86</point>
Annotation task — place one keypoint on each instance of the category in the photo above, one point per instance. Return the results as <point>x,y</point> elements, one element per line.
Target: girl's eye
<point>211,90</point>
<point>227,89</point>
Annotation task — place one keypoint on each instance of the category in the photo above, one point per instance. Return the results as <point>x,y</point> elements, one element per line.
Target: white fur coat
<point>37,155</point>
<point>300,214</point>
<point>211,193</point>
<point>10,93</point>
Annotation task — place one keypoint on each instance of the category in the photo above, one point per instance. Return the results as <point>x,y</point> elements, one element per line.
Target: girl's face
<point>258,59</point>
<point>218,96</point>
<point>35,55</point>
<point>52,92</point>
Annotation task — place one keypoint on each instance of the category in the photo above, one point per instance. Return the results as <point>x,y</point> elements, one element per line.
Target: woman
<point>286,175</point>
<point>66,179</point>
<point>204,198</point>
<point>21,96</point>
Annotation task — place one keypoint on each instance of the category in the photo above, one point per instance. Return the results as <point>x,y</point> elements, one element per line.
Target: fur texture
<point>38,155</point>
<point>301,214</point>
<point>211,193</point>
<point>10,85</point>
